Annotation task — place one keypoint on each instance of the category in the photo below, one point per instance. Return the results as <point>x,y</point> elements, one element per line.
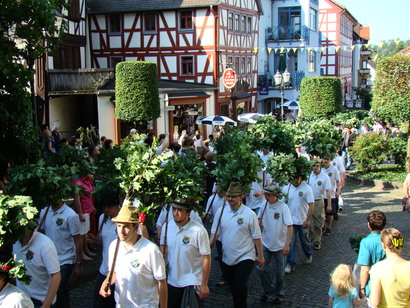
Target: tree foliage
<point>391,95</point>
<point>136,89</point>
<point>320,97</point>
<point>235,159</point>
<point>27,30</point>
<point>368,151</point>
<point>389,49</point>
<point>322,138</point>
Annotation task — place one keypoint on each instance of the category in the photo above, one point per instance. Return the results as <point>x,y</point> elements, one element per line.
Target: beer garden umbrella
<point>216,120</point>
<point>249,117</point>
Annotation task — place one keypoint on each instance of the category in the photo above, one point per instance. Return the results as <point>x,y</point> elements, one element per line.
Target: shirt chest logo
<point>300,194</point>
<point>59,221</point>
<point>240,221</point>
<point>334,164</point>
<point>329,173</point>
<point>276,215</point>
<point>319,183</point>
<point>135,263</point>
<point>29,255</point>
<point>186,240</point>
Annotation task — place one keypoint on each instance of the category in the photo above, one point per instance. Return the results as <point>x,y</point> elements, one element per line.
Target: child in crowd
<point>342,293</point>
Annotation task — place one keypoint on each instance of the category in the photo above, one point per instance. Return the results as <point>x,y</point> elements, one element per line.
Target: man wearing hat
<point>300,202</point>
<point>239,231</point>
<point>276,224</point>
<point>139,265</point>
<point>185,244</point>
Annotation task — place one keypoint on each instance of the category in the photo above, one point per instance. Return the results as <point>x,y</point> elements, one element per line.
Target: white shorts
<point>85,225</point>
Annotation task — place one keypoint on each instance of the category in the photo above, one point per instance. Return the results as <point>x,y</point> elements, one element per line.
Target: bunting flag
<point>337,49</point>
<point>352,47</point>
<point>398,42</point>
<point>309,49</point>
<point>295,49</point>
<point>288,49</point>
<point>381,45</point>
<point>323,49</point>
<point>269,49</point>
<point>255,50</point>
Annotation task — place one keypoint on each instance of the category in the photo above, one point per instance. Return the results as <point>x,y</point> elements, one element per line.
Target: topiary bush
<point>368,151</point>
<point>320,97</point>
<point>398,149</point>
<point>136,91</point>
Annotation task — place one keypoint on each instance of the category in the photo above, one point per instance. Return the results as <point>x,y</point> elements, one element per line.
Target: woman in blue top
<point>342,293</point>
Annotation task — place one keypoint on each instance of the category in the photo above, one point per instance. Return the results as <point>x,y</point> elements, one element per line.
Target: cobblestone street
<point>308,285</point>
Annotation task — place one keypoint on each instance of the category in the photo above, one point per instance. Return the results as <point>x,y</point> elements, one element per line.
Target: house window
<point>249,65</point>
<point>249,24</point>
<point>313,19</point>
<point>149,22</point>
<point>364,65</point>
<point>185,19</point>
<point>187,65</point>
<point>114,61</point>
<point>243,23</point>
<point>289,22</point>
<point>243,65</point>
<point>236,22</point>
<point>114,24</point>
<point>236,66</point>
<point>230,21</point>
<point>312,59</point>
<point>74,10</point>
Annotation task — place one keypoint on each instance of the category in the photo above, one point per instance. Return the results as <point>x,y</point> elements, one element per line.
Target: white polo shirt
<point>216,204</point>
<point>162,216</point>
<point>298,201</point>
<point>275,222</point>
<point>255,202</point>
<point>60,226</point>
<point>41,261</point>
<point>264,157</point>
<point>13,297</point>
<point>319,184</point>
<point>137,271</point>
<point>334,177</point>
<point>237,232</point>
<point>186,246</point>
<point>108,235</point>
<point>339,164</point>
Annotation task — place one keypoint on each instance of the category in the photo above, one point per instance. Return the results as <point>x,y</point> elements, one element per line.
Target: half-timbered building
<point>192,42</point>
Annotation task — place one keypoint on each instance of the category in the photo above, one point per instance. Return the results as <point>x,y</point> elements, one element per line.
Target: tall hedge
<point>320,97</point>
<point>136,91</point>
<point>391,94</point>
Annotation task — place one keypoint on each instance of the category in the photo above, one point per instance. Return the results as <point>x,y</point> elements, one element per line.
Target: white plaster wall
<point>115,41</point>
<point>95,38</point>
<point>106,117</point>
<point>60,108</point>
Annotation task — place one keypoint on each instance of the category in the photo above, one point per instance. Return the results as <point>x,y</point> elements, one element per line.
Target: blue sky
<point>388,20</point>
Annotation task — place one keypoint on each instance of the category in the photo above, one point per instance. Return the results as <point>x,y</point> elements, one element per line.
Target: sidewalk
<point>309,284</point>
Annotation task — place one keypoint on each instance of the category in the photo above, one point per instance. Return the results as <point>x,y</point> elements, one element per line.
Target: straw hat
<point>127,214</point>
<point>234,190</point>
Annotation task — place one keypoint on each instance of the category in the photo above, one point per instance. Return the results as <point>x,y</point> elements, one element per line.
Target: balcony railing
<point>364,71</point>
<point>366,53</point>
<point>294,83</point>
<point>287,33</point>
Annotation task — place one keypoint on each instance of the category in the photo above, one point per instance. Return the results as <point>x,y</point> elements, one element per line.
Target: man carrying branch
<point>138,270</point>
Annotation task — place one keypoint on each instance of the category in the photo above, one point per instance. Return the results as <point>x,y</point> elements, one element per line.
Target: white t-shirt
<point>319,184</point>
<point>264,157</point>
<point>334,177</point>
<point>298,201</point>
<point>60,226</point>
<point>162,216</point>
<point>41,261</point>
<point>108,235</point>
<point>275,222</point>
<point>13,297</point>
<point>339,164</point>
<point>186,246</point>
<point>137,271</point>
<point>237,232</point>
<point>255,202</point>
<point>216,201</point>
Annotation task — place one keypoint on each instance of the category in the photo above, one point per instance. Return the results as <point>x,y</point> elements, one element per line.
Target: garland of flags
<point>323,48</point>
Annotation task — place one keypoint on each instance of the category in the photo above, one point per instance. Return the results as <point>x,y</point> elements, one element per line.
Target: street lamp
<point>281,81</point>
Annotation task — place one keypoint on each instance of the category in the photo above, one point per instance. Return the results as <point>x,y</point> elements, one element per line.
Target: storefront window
<point>184,118</point>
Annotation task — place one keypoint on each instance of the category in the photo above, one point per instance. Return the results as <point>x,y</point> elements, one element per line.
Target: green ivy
<point>136,89</point>
<point>320,97</point>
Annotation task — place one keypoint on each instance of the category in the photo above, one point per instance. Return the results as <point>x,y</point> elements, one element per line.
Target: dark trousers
<point>175,296</point>
<point>63,295</point>
<point>38,304</point>
<point>219,251</point>
<point>238,276</point>
<point>99,301</point>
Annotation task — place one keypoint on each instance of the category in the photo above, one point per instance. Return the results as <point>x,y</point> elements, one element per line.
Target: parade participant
<point>334,177</point>
<point>338,163</point>
<point>276,225</point>
<point>188,256</point>
<point>214,203</point>
<point>390,284</point>
<point>111,206</point>
<point>139,266</point>
<point>255,199</point>
<point>62,225</point>
<point>239,232</point>
<point>371,250</point>
<point>10,295</point>
<point>39,255</point>
<point>300,202</point>
<point>342,292</point>
<point>264,155</point>
<point>300,153</point>
<point>321,188</point>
